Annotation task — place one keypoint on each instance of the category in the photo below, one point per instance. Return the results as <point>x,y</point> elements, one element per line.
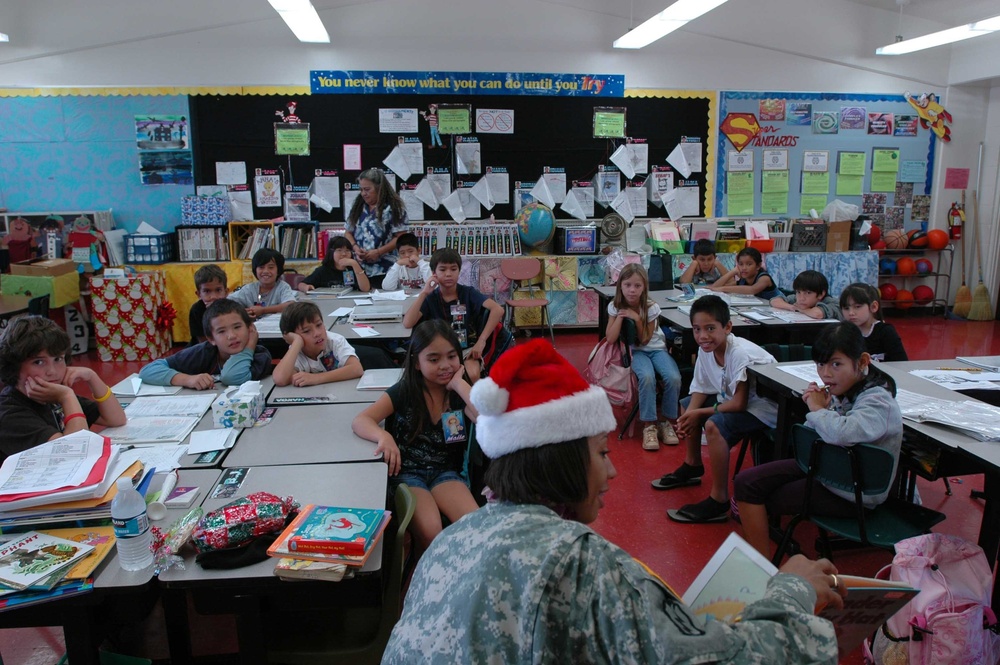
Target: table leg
<point>989,530</point>
<point>175,616</point>
<point>250,631</point>
<point>78,631</point>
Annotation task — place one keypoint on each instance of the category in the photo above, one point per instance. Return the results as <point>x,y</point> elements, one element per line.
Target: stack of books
<point>323,542</point>
<point>260,239</point>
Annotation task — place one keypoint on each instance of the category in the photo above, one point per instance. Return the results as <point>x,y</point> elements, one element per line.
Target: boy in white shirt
<point>315,355</point>
<point>410,271</point>
<point>724,402</point>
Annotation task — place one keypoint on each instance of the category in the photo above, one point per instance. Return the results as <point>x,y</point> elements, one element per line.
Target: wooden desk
<point>249,592</point>
<point>320,434</point>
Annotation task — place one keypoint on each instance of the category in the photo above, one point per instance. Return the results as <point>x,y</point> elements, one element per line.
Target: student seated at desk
<point>269,294</point>
<point>315,355</point>
<point>339,269</point>
<point>856,405</point>
<point>211,284</point>
<point>859,303</point>
<point>705,269</point>
<point>748,277</point>
<point>231,354</point>
<point>37,403</point>
<point>410,271</point>
<point>464,308</point>
<point>427,453</point>
<point>722,401</point>
<point>812,297</point>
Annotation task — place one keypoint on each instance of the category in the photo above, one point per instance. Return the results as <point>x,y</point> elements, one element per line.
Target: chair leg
<point>628,421</point>
<point>786,538</point>
<point>947,486</point>
<point>548,320</point>
<point>744,445</point>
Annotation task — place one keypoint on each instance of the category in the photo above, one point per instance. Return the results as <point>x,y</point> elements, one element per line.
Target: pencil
<point>962,369</point>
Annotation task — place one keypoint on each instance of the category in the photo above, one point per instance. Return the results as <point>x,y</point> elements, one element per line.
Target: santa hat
<point>534,397</point>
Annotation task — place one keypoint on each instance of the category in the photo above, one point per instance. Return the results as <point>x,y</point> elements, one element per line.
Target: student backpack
<point>610,368</point>
<point>950,620</point>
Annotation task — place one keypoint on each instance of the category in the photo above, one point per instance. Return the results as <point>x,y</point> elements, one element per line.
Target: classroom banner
<point>355,82</point>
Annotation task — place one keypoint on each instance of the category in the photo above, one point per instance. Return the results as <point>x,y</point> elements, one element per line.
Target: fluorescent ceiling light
<point>662,24</point>
<point>4,37</point>
<point>302,19</point>
<point>948,36</point>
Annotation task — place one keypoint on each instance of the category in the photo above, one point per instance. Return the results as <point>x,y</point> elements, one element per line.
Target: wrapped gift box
<point>124,312</point>
<point>205,210</point>
<point>239,406</point>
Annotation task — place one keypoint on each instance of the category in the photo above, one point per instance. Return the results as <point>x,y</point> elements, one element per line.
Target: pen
<point>962,369</point>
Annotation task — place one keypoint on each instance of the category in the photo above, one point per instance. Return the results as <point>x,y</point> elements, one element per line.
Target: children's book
<point>33,556</point>
<point>333,530</point>
<point>737,575</point>
<point>300,569</point>
<point>102,538</point>
<point>280,549</point>
<point>192,406</point>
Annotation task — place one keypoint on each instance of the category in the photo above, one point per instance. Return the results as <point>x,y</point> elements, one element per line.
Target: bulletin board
<point>824,131</point>
<point>548,132</point>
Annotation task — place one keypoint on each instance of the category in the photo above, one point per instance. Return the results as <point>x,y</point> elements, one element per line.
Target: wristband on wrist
<point>716,408</point>
<point>71,416</point>
<point>107,395</point>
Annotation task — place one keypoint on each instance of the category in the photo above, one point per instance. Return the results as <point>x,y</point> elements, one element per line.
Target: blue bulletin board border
<point>729,102</point>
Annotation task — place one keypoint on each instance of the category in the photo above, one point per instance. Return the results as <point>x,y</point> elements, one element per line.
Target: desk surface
<point>386,331</point>
<point>320,434</point>
<point>676,317</point>
<point>340,392</point>
<point>348,485</point>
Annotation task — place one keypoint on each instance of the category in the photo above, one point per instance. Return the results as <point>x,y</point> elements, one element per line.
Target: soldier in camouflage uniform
<point>524,580</point>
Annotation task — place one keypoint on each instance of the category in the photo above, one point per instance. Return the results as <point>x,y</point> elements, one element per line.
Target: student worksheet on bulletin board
<point>783,154</point>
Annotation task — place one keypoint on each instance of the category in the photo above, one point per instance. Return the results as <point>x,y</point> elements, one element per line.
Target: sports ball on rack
<point>895,239</point>
<point>888,291</point>
<point>923,294</point>
<point>874,234</point>
<point>937,239</point>
<point>904,299</point>
<point>880,246</point>
<point>887,266</point>
<point>924,266</point>
<point>906,266</point>
<point>917,239</point>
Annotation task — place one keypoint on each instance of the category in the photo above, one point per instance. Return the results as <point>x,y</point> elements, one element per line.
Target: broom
<point>981,309</point>
<point>963,298</point>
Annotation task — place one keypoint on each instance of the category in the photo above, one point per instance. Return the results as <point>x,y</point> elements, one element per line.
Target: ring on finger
<point>836,582</point>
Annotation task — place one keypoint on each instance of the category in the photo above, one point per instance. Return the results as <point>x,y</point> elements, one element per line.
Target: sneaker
<point>704,439</point>
<point>649,438</point>
<point>667,434</point>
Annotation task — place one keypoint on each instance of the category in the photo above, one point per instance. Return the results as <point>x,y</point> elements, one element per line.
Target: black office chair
<point>39,306</point>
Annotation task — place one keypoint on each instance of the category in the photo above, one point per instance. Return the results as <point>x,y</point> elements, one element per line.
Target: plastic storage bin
<point>807,237</point>
<point>782,241</point>
<point>147,249</point>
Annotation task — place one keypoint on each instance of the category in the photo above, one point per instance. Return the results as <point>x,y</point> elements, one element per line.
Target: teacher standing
<point>377,218</point>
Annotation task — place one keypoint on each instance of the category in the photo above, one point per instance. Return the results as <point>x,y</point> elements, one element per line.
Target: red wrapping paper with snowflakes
<point>125,317</point>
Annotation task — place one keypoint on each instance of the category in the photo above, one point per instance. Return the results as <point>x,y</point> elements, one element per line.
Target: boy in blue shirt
<point>231,353</point>
<point>474,317</point>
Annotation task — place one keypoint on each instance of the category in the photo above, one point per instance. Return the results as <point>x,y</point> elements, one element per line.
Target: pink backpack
<point>950,620</point>
<point>609,369</point>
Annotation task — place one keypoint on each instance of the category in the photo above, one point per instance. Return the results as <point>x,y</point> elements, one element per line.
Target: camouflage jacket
<point>518,584</point>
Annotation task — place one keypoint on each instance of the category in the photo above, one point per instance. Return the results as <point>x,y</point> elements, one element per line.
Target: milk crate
<point>147,249</point>
<point>808,237</point>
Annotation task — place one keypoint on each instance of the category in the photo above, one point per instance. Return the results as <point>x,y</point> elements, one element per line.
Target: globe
<point>536,225</point>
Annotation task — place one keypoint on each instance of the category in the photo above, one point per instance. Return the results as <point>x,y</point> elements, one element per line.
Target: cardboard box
<point>838,236</point>
<point>43,267</point>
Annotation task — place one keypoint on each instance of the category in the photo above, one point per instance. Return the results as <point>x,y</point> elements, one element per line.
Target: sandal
<point>684,476</point>
<point>702,512</point>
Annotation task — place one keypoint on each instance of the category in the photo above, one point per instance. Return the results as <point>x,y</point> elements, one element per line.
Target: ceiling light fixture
<point>957,34</point>
<point>4,37</point>
<point>301,17</point>
<point>662,24</point>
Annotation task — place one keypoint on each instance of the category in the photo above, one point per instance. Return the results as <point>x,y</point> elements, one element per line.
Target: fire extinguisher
<point>956,217</point>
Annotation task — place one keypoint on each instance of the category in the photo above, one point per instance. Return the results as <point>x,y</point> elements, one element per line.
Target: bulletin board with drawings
<point>802,150</point>
<point>556,132</point>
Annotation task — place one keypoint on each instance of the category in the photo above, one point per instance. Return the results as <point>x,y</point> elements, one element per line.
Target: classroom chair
<point>524,270</point>
<point>864,470</point>
<point>292,277</point>
<point>354,636</point>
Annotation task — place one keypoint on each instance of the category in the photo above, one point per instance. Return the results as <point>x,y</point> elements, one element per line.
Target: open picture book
<point>737,575</point>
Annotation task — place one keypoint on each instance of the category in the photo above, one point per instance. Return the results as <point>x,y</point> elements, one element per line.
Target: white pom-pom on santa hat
<point>534,397</point>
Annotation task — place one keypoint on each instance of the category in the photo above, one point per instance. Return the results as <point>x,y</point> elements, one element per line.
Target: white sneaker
<point>704,439</point>
<point>650,441</point>
<point>667,434</point>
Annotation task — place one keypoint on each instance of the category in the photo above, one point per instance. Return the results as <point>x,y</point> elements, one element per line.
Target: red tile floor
<point>634,516</point>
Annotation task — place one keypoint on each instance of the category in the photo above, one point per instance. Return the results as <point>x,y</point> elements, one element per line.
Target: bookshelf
<point>199,243</point>
<point>298,240</point>
<point>245,238</point>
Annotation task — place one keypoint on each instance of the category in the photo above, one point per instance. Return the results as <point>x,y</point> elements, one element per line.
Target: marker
<point>157,510</point>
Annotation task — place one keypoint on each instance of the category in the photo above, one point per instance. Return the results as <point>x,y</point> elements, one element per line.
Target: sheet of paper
<point>176,405</point>
<point>341,311</point>
<point>414,206</point>
<point>622,207</point>
<point>267,190</point>
<point>542,194</point>
<point>816,160</point>
<point>470,204</point>
<point>365,332</point>
<point>326,188</point>
<point>883,181</point>
<point>959,380</point>
<point>620,158</point>
<point>362,301</point>
<point>774,203</point>
<point>851,163</point>
<point>161,458</point>
<point>349,197</point>
<point>637,200</point>
<point>639,156</point>
<point>127,388</point>
<point>850,185</point>
<point>396,160</point>
<point>774,160</point>
<point>572,207</point>
<point>913,171</point>
<point>425,192</point>
<point>679,161</point>
<point>774,182</point>
<point>481,190</point>
<point>692,155</point>
<point>685,203</point>
<point>469,157</point>
<point>659,183</point>
<point>885,160</point>
<point>440,183</point>
<point>240,205</point>
<point>211,190</point>
<point>231,173</point>
<point>165,429</point>
<point>499,186</point>
<point>556,182</point>
<point>585,199</point>
<point>755,315</point>
<point>607,184</point>
<point>739,205</point>
<point>739,182</point>
<point>811,202</point>
<point>397,121</point>
<point>739,161</point>
<point>399,295</point>
<point>65,462</point>
<point>352,157</point>
<point>817,182</point>
<point>805,371</point>
<point>209,440</point>
<point>453,204</point>
<point>268,325</point>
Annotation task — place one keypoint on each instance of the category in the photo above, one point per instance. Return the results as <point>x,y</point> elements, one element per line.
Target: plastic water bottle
<point>128,515</point>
